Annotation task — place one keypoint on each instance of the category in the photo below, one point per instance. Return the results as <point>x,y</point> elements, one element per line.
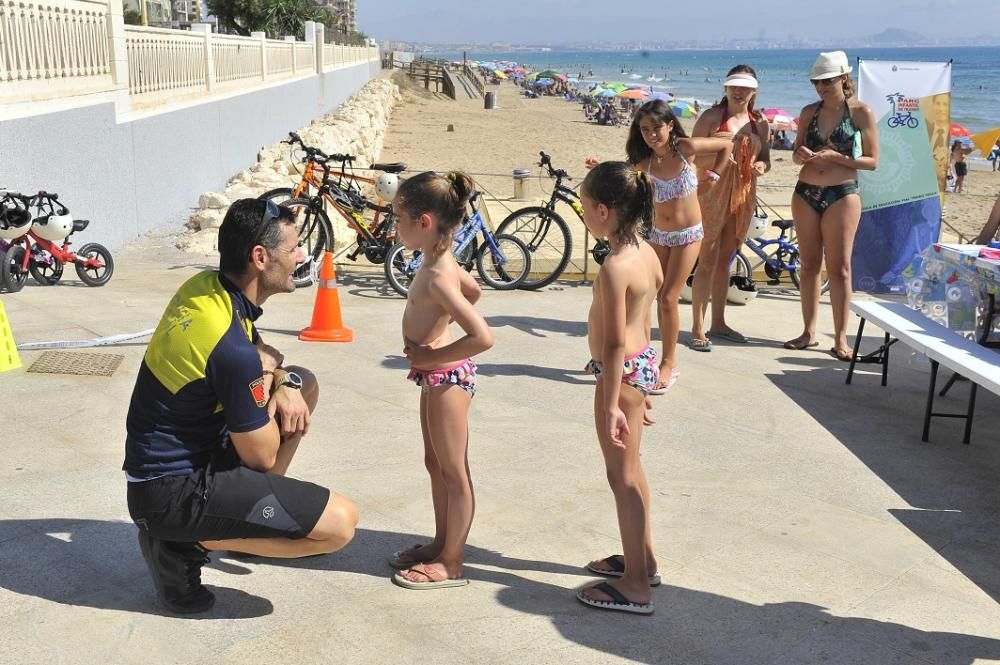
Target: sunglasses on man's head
<point>271,213</point>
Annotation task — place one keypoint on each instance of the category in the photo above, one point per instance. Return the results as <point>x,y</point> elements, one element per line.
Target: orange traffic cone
<point>327,324</point>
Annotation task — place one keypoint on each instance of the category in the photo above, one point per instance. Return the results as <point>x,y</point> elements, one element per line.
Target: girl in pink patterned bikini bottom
<point>462,375</point>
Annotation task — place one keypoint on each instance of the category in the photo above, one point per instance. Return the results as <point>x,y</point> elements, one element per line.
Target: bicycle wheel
<point>103,266</point>
<point>400,266</point>
<point>12,273</point>
<point>824,283</point>
<point>547,238</point>
<point>740,267</point>
<point>279,195</point>
<point>506,269</point>
<point>45,268</point>
<point>315,233</point>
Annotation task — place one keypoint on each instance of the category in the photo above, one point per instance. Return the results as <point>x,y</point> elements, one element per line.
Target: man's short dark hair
<point>242,230</point>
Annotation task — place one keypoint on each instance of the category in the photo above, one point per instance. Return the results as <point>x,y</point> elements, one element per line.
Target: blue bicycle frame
<point>759,245</point>
<point>465,236</point>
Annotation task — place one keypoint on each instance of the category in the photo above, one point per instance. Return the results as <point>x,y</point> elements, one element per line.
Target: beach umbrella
<point>682,109</point>
<point>633,94</point>
<point>541,83</point>
<point>499,74</point>
<point>617,87</point>
<point>532,76</point>
<point>597,90</point>
<point>986,140</point>
<point>520,70</point>
<point>770,114</point>
<point>661,95</point>
<point>959,130</point>
<point>548,74</point>
<point>607,93</point>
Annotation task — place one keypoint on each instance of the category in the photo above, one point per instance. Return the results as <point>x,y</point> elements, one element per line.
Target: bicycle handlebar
<point>317,154</point>
<point>546,161</point>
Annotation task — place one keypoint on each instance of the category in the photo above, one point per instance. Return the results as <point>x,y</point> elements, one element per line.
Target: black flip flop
<point>618,602</point>
<point>617,565</point>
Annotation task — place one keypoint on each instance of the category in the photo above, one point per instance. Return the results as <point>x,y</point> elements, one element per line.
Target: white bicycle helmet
<point>386,185</point>
<point>742,291</point>
<point>54,227</point>
<point>757,228</point>
<point>14,223</point>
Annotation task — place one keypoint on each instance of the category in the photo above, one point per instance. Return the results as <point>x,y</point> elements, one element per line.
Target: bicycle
<point>777,255</point>
<point>309,198</point>
<point>503,261</point>
<point>36,251</point>
<point>544,231</point>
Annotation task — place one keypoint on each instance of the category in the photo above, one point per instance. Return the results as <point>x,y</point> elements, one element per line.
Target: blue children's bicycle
<point>503,261</point>
<point>777,255</point>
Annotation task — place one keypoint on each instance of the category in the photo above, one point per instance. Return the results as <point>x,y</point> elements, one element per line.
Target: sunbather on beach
<point>728,204</point>
<point>838,137</point>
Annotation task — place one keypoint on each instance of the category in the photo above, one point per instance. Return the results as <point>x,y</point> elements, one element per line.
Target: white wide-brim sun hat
<point>829,65</point>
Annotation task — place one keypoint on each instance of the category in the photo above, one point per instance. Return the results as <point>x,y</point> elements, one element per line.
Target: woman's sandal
<point>842,355</point>
<point>799,343</point>
<point>661,388</point>
<point>700,344</point>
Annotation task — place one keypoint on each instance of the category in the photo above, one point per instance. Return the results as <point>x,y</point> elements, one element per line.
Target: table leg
<point>885,361</point>
<point>972,410</point>
<point>857,348</point>
<point>930,401</point>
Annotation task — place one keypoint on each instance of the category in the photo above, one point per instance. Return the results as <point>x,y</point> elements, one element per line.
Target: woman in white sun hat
<point>837,137</point>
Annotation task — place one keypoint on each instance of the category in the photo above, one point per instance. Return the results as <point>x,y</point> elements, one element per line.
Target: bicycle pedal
<point>353,256</point>
<point>773,282</point>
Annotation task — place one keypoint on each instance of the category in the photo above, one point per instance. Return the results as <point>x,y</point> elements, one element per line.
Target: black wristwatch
<point>290,380</point>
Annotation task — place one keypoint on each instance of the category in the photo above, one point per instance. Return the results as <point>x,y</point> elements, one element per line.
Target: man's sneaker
<point>176,571</point>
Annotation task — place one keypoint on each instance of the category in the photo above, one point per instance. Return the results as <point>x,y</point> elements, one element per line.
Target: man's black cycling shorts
<point>219,504</point>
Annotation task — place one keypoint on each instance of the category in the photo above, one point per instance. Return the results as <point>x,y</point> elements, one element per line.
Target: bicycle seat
<point>783,224</point>
<point>80,224</point>
<point>394,167</point>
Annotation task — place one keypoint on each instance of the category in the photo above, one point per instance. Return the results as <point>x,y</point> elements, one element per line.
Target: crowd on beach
<point>203,479</point>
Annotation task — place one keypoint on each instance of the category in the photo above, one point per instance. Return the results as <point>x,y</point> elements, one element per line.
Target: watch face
<point>293,380</point>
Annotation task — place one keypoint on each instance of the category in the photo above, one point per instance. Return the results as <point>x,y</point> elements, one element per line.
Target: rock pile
<point>357,127</point>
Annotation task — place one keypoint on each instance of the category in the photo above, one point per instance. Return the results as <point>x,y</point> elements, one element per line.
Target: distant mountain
<point>897,37</point>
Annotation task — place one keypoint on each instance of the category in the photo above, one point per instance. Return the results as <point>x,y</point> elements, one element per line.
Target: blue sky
<point>560,21</point>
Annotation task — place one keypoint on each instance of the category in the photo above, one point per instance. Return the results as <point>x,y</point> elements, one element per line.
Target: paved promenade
<point>796,519</point>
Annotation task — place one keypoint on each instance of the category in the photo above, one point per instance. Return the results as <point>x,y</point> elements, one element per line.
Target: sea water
<point>783,73</point>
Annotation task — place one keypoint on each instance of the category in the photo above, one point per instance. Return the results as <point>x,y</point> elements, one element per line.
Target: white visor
<point>741,81</point>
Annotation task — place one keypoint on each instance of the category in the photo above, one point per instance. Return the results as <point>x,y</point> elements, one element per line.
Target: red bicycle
<point>41,244</point>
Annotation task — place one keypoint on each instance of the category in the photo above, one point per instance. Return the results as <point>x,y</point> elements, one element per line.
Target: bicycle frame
<point>346,208</point>
<point>758,245</point>
<point>62,253</point>
<point>471,227</point>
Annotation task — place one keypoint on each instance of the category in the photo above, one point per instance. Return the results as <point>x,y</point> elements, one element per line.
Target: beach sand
<point>489,144</point>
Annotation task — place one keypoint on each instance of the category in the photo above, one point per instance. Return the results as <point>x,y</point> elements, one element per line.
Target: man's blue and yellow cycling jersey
<point>200,379</point>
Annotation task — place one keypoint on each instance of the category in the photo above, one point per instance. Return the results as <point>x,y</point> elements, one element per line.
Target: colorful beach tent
<point>986,140</point>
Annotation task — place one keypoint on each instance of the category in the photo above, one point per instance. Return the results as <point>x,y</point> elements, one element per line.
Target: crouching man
<point>215,420</point>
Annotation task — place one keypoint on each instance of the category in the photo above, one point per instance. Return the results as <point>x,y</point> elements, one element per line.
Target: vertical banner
<point>900,200</point>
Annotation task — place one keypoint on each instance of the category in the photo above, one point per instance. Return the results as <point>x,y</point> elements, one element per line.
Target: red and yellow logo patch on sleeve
<point>257,391</point>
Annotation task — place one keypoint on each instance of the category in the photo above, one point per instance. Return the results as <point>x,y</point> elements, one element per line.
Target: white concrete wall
<point>146,172</point>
